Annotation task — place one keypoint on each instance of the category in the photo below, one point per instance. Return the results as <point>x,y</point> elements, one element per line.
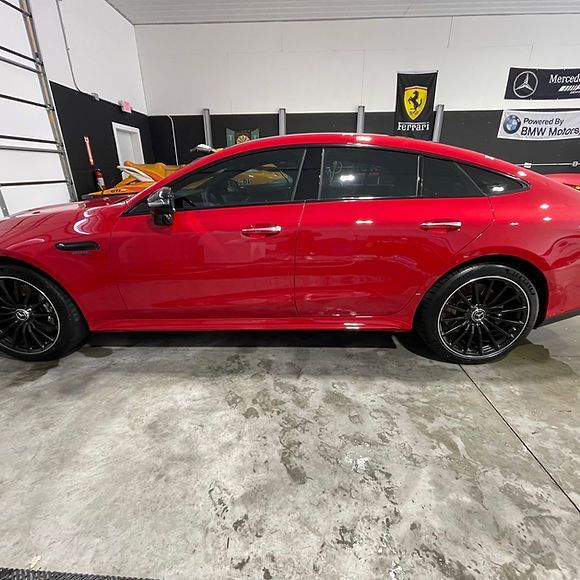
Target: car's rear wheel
<point>38,320</point>
<point>478,313</point>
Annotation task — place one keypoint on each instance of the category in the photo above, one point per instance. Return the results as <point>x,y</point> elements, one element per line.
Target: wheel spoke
<point>460,336</point>
<point>519,309</point>
<point>470,339</point>
<point>32,332</point>
<point>42,333</point>
<point>476,296</point>
<point>5,294</point>
<point>479,340</point>
<point>488,291</point>
<point>499,319</point>
<point>4,331</point>
<point>499,329</point>
<point>462,296</point>
<point>453,319</point>
<point>490,336</point>
<point>455,328</point>
<point>497,296</point>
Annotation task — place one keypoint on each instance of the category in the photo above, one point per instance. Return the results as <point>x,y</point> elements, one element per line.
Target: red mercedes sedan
<point>318,232</point>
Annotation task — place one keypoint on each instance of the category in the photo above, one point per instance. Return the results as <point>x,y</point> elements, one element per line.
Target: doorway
<point>128,142</point>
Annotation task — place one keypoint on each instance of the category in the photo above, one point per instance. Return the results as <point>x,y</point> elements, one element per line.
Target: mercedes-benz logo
<point>525,84</point>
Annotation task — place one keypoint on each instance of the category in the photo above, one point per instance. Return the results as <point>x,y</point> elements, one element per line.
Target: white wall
<point>102,44</point>
<point>337,65</point>
<point>105,60</point>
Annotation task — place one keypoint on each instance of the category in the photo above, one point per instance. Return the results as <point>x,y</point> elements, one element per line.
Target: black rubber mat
<point>16,574</point>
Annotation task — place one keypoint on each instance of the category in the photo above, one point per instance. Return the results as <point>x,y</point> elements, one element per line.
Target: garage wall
<point>104,56</point>
<point>103,49</point>
<point>337,65</point>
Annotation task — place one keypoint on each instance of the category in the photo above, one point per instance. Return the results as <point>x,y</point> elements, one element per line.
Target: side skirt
<point>294,323</point>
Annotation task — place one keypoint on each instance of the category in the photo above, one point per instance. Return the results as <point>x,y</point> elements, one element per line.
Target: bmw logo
<point>511,124</point>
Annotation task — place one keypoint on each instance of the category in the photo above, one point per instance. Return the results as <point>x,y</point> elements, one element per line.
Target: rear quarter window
<point>445,178</point>
<point>492,183</point>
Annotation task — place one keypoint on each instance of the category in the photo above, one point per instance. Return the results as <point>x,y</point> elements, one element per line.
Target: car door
<point>383,223</point>
<point>230,249</point>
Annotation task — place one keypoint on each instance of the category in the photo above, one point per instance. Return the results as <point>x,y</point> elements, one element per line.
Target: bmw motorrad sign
<point>539,125</point>
<point>543,83</point>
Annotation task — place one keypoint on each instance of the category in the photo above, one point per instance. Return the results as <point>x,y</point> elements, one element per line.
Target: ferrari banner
<point>414,116</point>
<point>539,125</point>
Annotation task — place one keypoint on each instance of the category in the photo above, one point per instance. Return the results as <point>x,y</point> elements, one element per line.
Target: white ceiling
<point>200,11</point>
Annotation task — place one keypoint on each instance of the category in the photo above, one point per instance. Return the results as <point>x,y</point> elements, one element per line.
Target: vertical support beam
<point>47,96</point>
<point>360,119</point>
<point>438,125</point>
<point>207,127</point>
<point>3,206</point>
<point>281,121</point>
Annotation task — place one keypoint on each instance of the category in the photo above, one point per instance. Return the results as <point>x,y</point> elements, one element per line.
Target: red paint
<point>333,264</point>
<point>569,179</point>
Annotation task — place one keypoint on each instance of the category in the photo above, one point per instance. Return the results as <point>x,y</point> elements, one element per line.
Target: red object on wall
<point>89,151</point>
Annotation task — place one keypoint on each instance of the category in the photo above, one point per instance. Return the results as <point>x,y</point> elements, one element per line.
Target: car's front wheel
<point>38,320</point>
<point>478,313</point>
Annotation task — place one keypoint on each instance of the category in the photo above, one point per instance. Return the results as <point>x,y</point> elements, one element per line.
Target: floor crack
<point>521,440</point>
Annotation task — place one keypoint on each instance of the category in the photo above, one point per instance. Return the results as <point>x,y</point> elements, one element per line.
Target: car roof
<point>371,140</point>
<point>353,139</point>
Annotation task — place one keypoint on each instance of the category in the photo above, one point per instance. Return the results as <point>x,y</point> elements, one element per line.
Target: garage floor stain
<point>285,455</point>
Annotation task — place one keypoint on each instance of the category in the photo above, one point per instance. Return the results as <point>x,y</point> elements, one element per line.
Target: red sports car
<point>318,232</point>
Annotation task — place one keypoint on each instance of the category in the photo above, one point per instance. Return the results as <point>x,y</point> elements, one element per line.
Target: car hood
<point>63,221</point>
<point>72,207</point>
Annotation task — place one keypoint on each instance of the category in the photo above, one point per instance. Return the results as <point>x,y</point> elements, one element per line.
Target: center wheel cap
<point>478,314</point>
<point>22,314</point>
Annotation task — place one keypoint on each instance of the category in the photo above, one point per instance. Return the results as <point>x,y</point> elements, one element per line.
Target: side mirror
<point>162,206</point>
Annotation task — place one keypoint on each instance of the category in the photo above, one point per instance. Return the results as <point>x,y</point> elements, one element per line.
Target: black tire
<point>478,313</point>
<point>38,320</point>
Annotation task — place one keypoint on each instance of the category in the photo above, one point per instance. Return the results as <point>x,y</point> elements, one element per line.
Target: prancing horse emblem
<point>415,99</point>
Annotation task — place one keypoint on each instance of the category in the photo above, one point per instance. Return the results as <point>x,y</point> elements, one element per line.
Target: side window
<point>355,172</point>
<point>493,183</point>
<point>442,178</point>
<point>258,178</point>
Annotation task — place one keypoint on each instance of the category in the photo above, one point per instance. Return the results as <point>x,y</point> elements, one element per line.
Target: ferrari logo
<point>415,99</point>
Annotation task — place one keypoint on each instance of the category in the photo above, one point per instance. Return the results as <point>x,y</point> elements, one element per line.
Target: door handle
<point>261,231</point>
<point>446,225</point>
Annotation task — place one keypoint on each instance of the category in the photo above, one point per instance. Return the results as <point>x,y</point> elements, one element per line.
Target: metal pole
<point>3,207</point>
<point>438,125</point>
<point>207,127</point>
<point>360,119</point>
<point>281,121</point>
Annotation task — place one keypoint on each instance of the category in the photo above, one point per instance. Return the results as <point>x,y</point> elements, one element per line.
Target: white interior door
<point>128,141</point>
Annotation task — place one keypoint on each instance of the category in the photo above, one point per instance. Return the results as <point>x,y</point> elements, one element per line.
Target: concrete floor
<point>284,455</point>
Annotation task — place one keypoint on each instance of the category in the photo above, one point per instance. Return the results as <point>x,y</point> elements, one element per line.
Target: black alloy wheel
<point>483,317</point>
<point>478,313</point>
<point>29,322</point>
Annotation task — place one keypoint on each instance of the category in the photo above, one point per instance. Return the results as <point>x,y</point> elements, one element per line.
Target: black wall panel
<point>188,134</point>
<point>320,122</point>
<point>79,115</point>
